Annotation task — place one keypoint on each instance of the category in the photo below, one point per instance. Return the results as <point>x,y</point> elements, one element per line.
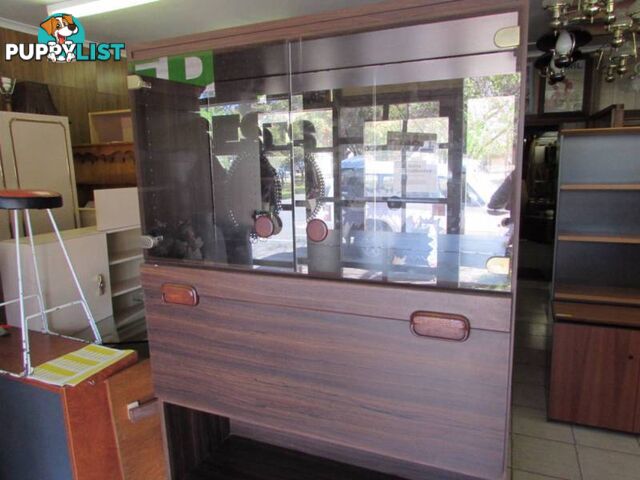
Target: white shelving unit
<point>117,215</point>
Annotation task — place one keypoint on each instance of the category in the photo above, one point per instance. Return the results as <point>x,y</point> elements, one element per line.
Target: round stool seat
<point>29,199</point>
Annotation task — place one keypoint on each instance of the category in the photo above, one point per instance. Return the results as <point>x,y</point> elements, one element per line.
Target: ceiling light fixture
<point>564,47</point>
<point>606,18</point>
<point>85,8</point>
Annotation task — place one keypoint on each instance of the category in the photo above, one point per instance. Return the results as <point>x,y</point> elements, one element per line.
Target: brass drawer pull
<point>443,326</point>
<point>179,294</point>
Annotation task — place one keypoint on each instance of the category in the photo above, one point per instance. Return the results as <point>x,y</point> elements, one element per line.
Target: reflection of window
<point>352,119</point>
<point>406,111</point>
<point>376,133</point>
<point>437,125</point>
<point>322,121</point>
<point>490,132</point>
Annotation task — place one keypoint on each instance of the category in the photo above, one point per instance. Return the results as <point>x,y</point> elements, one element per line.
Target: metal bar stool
<point>25,200</point>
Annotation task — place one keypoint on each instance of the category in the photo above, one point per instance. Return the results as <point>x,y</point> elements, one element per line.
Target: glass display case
<point>379,164</point>
<point>332,221</point>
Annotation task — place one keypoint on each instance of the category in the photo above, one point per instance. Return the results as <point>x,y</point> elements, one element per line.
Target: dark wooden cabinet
<point>319,296</point>
<point>595,371</point>
<point>595,376</point>
<point>334,373</point>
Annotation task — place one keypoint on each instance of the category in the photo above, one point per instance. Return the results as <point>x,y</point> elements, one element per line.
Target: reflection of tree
<point>490,112</point>
<point>352,122</point>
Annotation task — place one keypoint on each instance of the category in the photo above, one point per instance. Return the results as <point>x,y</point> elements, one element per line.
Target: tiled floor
<point>544,450</point>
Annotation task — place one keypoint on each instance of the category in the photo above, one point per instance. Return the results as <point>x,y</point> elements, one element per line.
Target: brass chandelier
<point>619,22</point>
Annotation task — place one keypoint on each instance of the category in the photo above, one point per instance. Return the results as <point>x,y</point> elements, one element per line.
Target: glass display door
<point>379,164</point>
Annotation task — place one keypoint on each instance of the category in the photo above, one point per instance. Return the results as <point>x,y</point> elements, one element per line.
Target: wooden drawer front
<point>594,376</point>
<point>363,382</point>
<point>485,311</point>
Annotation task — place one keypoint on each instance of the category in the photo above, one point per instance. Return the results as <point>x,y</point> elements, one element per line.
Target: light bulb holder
<point>563,61</point>
<point>609,9</point>
<point>622,67</point>
<point>7,85</point>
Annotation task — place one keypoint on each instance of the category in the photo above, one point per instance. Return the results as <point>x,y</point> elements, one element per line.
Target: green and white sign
<point>195,68</point>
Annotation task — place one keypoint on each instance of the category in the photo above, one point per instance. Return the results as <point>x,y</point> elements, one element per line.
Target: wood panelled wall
<point>76,88</point>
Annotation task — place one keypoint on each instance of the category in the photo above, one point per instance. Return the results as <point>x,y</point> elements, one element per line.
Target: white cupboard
<point>87,249</point>
<point>35,153</point>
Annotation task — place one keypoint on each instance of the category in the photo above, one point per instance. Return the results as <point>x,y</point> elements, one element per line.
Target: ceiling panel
<point>172,18</point>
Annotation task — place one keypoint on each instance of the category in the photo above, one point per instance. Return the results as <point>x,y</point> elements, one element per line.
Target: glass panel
<point>422,179</point>
<point>251,161</point>
<point>175,174</point>
<point>372,172</point>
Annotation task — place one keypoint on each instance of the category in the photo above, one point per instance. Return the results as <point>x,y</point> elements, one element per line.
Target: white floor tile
<point>605,440</point>
<point>533,422</point>
<point>545,457</point>
<point>599,464</point>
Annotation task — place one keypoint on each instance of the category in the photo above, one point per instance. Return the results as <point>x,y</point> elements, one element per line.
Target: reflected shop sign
<point>194,68</point>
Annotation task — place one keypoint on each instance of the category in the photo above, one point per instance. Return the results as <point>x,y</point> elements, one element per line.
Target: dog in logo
<point>60,28</point>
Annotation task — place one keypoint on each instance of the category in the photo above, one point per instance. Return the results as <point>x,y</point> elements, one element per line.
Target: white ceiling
<point>172,18</point>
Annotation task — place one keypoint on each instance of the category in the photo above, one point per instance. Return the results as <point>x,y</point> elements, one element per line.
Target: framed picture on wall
<point>568,95</point>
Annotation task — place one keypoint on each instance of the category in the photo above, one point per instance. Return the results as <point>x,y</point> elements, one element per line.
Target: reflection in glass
<point>414,181</point>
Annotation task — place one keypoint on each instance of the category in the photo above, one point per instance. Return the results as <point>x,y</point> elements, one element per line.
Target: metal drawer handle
<point>443,326</point>
<point>137,411</point>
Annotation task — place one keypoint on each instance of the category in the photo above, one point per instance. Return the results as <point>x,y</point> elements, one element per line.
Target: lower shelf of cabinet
<point>239,458</point>
<point>585,293</point>
<point>129,315</point>
<point>125,286</point>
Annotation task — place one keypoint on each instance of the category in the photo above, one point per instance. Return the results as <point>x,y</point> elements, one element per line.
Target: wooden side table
<point>50,431</point>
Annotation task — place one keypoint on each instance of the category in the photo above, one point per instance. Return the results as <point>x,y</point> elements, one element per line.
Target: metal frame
<point>43,311</point>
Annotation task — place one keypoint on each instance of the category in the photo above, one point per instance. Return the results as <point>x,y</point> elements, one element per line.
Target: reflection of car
<point>368,201</point>
<point>478,217</point>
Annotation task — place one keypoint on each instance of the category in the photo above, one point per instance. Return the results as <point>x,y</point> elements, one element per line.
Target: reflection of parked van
<point>368,208</point>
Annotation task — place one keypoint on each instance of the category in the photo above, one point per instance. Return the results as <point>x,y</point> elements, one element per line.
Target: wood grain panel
<point>359,381</point>
<point>597,314</point>
<point>76,88</point>
<point>242,459</point>
<point>43,348</point>
<point>597,294</point>
<point>92,442</point>
<point>191,437</point>
<point>387,14</point>
<point>312,446</point>
<point>484,311</point>
<point>600,131</point>
<point>140,447</point>
<point>594,375</point>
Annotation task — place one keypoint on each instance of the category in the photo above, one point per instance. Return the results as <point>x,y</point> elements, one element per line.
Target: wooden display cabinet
<point>595,375</point>
<point>318,292</point>
<point>595,371</point>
